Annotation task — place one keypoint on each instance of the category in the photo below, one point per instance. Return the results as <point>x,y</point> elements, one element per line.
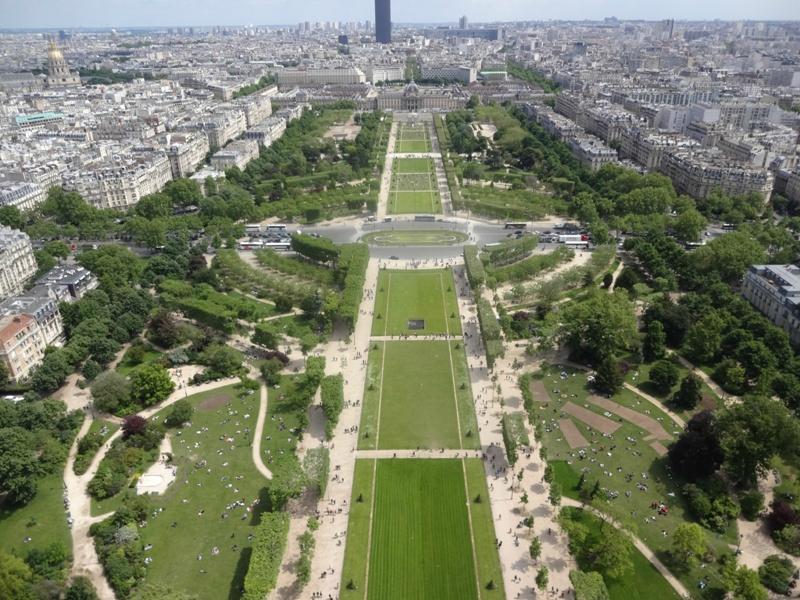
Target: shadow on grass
<point>237,583</point>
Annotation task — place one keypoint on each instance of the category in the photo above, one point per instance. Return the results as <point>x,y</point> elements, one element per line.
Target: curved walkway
<point>259,433</point>
<point>639,544</point>
<point>657,403</point>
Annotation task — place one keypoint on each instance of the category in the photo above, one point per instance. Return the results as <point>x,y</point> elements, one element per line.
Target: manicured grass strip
<point>643,583</point>
<point>415,202</point>
<point>413,165</point>
<point>356,552</point>
<point>416,295</point>
<point>466,404</point>
<point>441,237</point>
<point>368,429</point>
<point>489,568</point>
<point>417,406</point>
<point>421,546</point>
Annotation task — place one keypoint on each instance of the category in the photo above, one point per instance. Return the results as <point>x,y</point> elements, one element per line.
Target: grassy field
<point>215,470</point>
<point>620,462</point>
<point>643,583</point>
<point>426,295</point>
<point>414,188</point>
<point>421,546</point>
<point>412,139</point>
<point>43,520</point>
<point>411,398</point>
<point>415,237</point>
<point>126,366</point>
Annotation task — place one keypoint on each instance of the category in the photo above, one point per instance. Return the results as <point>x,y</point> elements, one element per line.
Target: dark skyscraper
<point>383,21</point>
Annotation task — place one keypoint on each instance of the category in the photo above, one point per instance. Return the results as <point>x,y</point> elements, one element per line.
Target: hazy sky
<point>99,13</point>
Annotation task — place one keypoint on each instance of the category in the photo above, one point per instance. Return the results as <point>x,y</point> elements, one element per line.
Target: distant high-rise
<point>383,21</point>
<point>463,22</point>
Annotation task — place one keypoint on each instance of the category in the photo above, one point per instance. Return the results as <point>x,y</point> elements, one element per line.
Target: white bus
<point>276,227</point>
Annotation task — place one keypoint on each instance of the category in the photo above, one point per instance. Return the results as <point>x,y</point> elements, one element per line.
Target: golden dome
<point>53,53</point>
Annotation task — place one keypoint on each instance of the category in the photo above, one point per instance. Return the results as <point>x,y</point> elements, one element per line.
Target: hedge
<point>510,251</point>
<point>588,586</point>
<point>490,332</point>
<point>476,274</point>
<point>353,265</point>
<point>527,395</point>
<point>332,393</point>
<point>205,312</point>
<point>514,435</point>
<point>532,266</point>
<point>319,249</point>
<point>265,561</point>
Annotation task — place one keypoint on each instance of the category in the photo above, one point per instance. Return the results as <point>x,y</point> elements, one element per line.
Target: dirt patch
<point>592,419</point>
<point>574,437</point>
<point>708,403</point>
<point>649,424</point>
<point>213,403</point>
<point>660,448</point>
<point>536,386</point>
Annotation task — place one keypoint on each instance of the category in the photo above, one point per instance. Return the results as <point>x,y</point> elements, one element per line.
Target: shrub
<point>664,375</point>
<point>268,547</point>
<point>588,586</point>
<point>776,573</point>
<point>476,274</point>
<point>752,503</point>
<point>180,413</point>
<point>332,394</point>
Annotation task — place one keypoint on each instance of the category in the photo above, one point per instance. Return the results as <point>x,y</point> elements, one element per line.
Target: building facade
<point>775,291</point>
<point>17,263</point>
<point>22,345</point>
<point>383,21</point>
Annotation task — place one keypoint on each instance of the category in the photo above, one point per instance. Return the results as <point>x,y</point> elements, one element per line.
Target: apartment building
<point>186,152</point>
<point>43,309</point>
<point>267,132</point>
<point>235,154</point>
<point>221,128</point>
<point>450,73</point>
<point>775,291</point>
<point>123,183</point>
<point>22,345</point>
<point>255,107</point>
<point>17,263</point>
<point>591,151</point>
<point>698,172</point>
<point>21,195</point>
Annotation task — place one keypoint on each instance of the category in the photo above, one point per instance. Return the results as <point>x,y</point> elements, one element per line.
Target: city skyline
<point>152,13</point>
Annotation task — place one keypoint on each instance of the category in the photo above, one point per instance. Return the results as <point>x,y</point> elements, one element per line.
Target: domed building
<point>58,73</point>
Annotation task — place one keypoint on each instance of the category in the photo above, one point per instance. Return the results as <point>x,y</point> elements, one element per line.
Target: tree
<point>18,465</point>
<point>704,337</point>
<point>654,341</point>
<point>150,384</point>
<point>180,413</point>
<point>688,225</point>
<point>111,392</point>
<point>697,453</point>
<point>81,589</point>
<point>164,330</point>
<point>542,578</point>
<point>48,562</point>
<point>610,551</point>
<point>689,394</point>
<point>747,585</point>
<point>664,375</point>
<point>608,379</point>
<point>688,544</point>
<point>91,369</point>
<point>3,374</point>
<point>600,326</point>
<point>266,336</point>
<point>535,549</point>
<point>15,577</point>
<point>270,371</point>
<point>133,425</point>
<point>222,360</point>
<point>728,256</point>
<point>752,432</point>
<point>776,573</point>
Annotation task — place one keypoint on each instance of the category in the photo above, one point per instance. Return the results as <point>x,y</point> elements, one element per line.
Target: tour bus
<point>279,245</point>
<point>728,227</point>
<point>579,245</point>
<point>252,228</point>
<point>516,225</point>
<point>276,227</point>
<point>425,218</point>
<point>573,239</point>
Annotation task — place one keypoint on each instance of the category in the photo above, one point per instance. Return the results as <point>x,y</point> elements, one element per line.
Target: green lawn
<point>421,545</point>
<point>637,460</point>
<point>413,146</point>
<point>125,366</point>
<point>409,401</point>
<point>407,295</point>
<point>643,583</point>
<point>640,375</point>
<point>415,237</point>
<point>43,520</point>
<point>414,188</point>
<point>220,435</point>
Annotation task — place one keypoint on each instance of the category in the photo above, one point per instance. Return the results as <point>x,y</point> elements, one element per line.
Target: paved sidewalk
<point>505,490</point>
<point>386,176</point>
<point>351,361</point>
